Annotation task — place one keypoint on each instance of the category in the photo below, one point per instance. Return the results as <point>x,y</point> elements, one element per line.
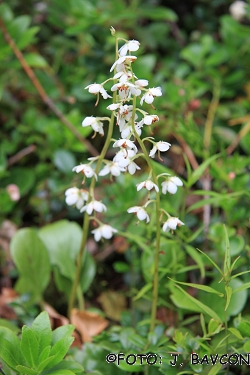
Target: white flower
<point>105,231</point>
<point>76,196</point>
<point>150,119</point>
<point>123,158</point>
<point>126,144</point>
<point>96,88</point>
<point>159,146</point>
<point>149,185</point>
<point>131,45</point>
<point>96,124</point>
<point>140,213</point>
<point>238,10</point>
<point>122,60</point>
<point>150,95</point>
<point>172,223</point>
<point>112,168</point>
<point>94,205</point>
<point>171,185</point>
<point>141,82</point>
<point>85,169</point>
<point>126,89</point>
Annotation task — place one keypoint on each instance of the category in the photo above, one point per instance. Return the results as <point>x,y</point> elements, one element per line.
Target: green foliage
<point>200,56</point>
<point>39,351</point>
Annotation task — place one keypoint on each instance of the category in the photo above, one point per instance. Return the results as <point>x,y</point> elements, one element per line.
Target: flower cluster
<point>130,120</point>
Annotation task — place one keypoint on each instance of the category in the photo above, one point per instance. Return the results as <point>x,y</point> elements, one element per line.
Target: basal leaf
<point>29,347</point>
<point>32,260</point>
<point>42,330</point>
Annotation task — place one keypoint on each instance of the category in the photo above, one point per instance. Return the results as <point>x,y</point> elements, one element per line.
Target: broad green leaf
<point>237,300</point>
<point>59,350</point>
<point>246,346</point>
<point>9,347</point>
<point>42,330</point>
<point>32,261</point>
<point>200,170</point>
<point>199,286</point>
<point>229,291</point>
<point>64,160</point>
<point>214,326</point>
<point>29,347</point>
<point>63,241</point>
<point>35,61</point>
<point>8,354</point>
<point>244,329</point>
<point>236,333</point>
<point>47,363</point>
<point>241,288</point>
<point>61,332</point>
<point>26,370</point>
<point>44,354</point>
<point>201,306</point>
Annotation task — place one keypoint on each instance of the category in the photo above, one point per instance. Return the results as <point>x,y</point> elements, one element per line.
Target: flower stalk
<point>130,120</point>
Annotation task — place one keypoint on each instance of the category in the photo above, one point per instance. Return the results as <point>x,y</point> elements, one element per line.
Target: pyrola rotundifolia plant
<point>130,94</point>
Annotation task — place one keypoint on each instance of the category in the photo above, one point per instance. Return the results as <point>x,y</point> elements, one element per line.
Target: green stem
<point>158,227</point>
<point>210,117</point>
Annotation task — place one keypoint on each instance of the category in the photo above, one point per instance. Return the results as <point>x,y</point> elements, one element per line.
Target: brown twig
<point>46,99</point>
<point>15,158</point>
<point>187,150</point>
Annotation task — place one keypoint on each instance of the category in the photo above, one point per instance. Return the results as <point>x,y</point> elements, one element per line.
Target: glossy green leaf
<point>194,304</point>
<point>29,347</point>
<point>62,332</point>
<point>26,370</point>
<point>42,330</point>
<point>64,160</point>
<point>32,260</point>
<point>244,329</point>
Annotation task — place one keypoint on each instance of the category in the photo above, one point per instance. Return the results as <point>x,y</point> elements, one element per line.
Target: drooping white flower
<point>172,223</point>
<point>148,184</point>
<point>150,95</point>
<point>76,196</point>
<point>140,213</point>
<point>141,82</point>
<point>94,206</point>
<point>131,45</point>
<point>150,119</point>
<point>105,231</point>
<point>126,144</point>
<point>159,146</point>
<point>96,88</point>
<point>112,168</point>
<point>122,60</point>
<point>96,124</point>
<point>238,10</point>
<point>171,185</point>
<point>86,169</point>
